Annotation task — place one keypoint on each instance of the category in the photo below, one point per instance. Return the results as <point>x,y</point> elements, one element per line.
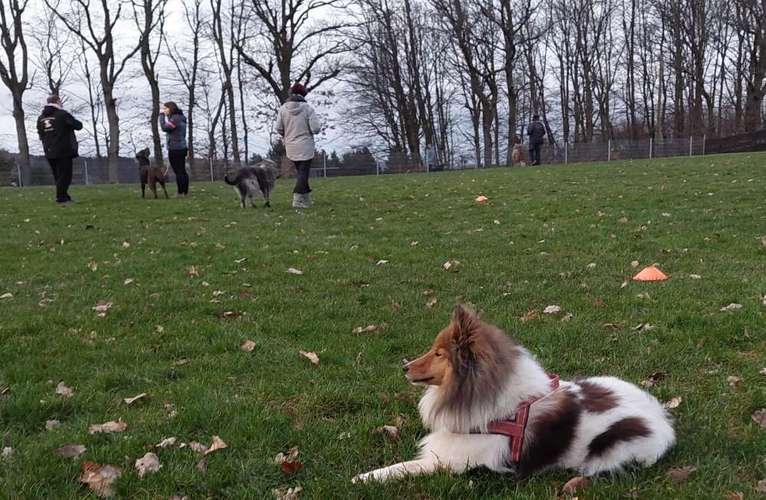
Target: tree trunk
<point>21,135</point>
<point>154,119</point>
<point>113,147</point>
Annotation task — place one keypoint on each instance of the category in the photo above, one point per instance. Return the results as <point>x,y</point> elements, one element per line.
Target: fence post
<point>566,152</point>
<point>704,139</point>
<point>691,144</point>
<point>210,161</point>
<point>85,166</point>
<point>651,147</point>
<point>324,163</point>
<point>609,152</point>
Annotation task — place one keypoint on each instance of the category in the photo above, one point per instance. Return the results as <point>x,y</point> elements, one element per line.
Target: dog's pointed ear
<point>465,320</point>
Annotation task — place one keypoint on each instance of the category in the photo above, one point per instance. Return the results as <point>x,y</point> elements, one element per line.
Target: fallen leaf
<point>381,262</point>
<point>599,302</point>
<point>367,329</point>
<point>247,346</point>
<point>290,468</point>
<point>101,308</point>
<point>530,315</point>
<point>552,309</point>
<point>673,403</point>
<point>643,327</point>
<point>170,408</point>
<point>148,464</point>
<point>292,270</point>
<point>654,379</point>
<point>217,444</point>
<point>622,220</point>
<point>159,328</point>
<point>389,430</point>
<point>635,263</point>
<point>613,326</point>
<point>166,443</point>
<point>643,295</point>
<point>762,371</point>
<point>125,244</point>
<point>731,307</point>
<point>128,281</point>
<point>759,417</point>
<point>291,455</point>
<point>681,474</point>
<point>763,241</point>
<point>106,427</point>
<point>287,493</point>
<point>99,478</point>
<point>240,261</point>
<point>735,495</point>
<point>192,272</point>
<point>197,447</point>
<point>229,314</point>
<point>733,381</point>
<point>567,317</point>
<point>311,356</point>
<point>63,390</point>
<point>7,295</point>
<point>592,265</point>
<point>761,486</point>
<point>695,276</point>
<point>432,301</point>
<point>481,199</point>
<point>130,401</point>
<point>450,264</point>
<point>51,424</point>
<point>93,265</point>
<point>574,485</point>
<point>201,465</point>
<point>7,453</point>
<point>71,450</point>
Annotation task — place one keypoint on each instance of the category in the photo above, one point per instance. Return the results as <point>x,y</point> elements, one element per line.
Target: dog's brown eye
<point>437,354</point>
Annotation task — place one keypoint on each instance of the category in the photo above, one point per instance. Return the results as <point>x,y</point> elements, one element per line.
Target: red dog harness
<point>514,427</point>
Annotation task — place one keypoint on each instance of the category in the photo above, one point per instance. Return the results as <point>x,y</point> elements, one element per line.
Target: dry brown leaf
<point>733,381</point>
<point>530,315</point>
<point>654,379</point>
<point>216,445</point>
<point>201,465</point>
<point>634,264</point>
<point>63,390</point>
<point>71,450</point>
<point>368,329</point>
<point>554,309</point>
<point>247,346</point>
<point>125,244</point>
<point>93,265</point>
<point>673,403</point>
<point>108,427</point>
<point>128,281</point>
<point>574,485</point>
<point>389,430</point>
<point>197,447</point>
<point>613,326</point>
<point>138,397</point>
<point>166,443</point>
<point>292,270</point>
<point>51,424</point>
<point>311,356</point>
<point>762,371</point>
<point>148,464</point>
<point>681,474</point>
<point>192,272</point>
<point>731,307</point>
<point>287,493</point>
<point>101,308</point>
<point>291,455</point>
<point>7,453</point>
<point>290,467</point>
<point>381,262</point>
<point>450,264</point>
<point>99,478</point>
<point>759,417</point>
<point>229,314</point>
<point>643,327</point>
<point>432,301</point>
<point>735,495</point>
<point>567,317</point>
<point>760,487</point>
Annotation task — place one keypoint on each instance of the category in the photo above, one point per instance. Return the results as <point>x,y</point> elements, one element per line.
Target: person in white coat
<point>297,123</point>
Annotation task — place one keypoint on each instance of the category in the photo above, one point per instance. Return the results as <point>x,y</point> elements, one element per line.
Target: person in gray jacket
<point>297,123</point>
<point>173,123</point>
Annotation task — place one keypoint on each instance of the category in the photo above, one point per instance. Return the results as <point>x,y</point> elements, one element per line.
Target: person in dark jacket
<point>173,123</point>
<point>56,128</point>
<point>536,133</point>
<point>298,123</point>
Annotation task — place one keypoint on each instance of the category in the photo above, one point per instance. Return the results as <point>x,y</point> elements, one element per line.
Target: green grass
<point>529,247</point>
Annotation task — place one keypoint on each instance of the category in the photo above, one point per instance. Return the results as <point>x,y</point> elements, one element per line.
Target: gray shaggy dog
<point>252,180</point>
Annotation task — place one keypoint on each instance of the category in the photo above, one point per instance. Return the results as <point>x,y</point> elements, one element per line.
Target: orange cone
<point>650,273</point>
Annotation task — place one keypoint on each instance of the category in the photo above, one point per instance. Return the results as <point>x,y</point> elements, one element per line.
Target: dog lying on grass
<point>150,174</point>
<point>250,181</point>
<point>489,403</point>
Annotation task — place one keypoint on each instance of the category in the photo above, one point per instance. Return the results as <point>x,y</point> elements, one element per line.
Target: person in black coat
<point>56,128</point>
<point>536,133</point>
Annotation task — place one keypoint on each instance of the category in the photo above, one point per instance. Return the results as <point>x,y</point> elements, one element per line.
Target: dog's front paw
<point>362,478</point>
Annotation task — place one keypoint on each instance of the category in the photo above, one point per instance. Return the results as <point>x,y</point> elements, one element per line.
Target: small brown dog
<point>150,174</point>
<point>517,155</point>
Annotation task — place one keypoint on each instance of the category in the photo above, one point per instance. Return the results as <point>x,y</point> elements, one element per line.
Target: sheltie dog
<point>150,174</point>
<point>250,181</point>
<point>479,381</point>
<point>517,155</point>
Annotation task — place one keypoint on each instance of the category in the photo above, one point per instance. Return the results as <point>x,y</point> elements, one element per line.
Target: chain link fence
<point>94,170</point>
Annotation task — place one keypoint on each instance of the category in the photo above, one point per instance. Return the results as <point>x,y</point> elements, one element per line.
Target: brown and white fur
<point>518,157</point>
<point>250,181</point>
<point>150,174</point>
<point>476,374</point>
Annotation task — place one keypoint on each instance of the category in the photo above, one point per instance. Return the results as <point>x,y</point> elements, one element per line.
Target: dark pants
<point>62,174</point>
<point>534,153</point>
<point>177,159</point>
<point>303,169</point>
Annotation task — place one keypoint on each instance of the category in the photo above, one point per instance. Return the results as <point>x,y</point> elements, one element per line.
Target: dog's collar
<point>515,426</point>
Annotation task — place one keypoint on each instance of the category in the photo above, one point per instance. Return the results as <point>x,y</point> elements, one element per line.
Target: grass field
<point>552,235</point>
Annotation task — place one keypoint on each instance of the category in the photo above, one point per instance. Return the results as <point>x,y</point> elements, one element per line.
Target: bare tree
<point>14,68</point>
<point>282,46</point>
<point>55,58</point>
<point>226,60</point>
<point>150,16</point>
<point>81,20</point>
